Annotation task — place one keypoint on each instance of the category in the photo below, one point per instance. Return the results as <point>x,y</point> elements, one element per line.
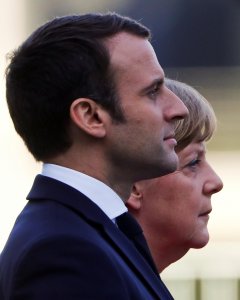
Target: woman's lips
<point>206,213</point>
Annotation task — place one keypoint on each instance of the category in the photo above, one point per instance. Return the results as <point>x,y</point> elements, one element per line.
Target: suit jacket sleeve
<point>49,271</point>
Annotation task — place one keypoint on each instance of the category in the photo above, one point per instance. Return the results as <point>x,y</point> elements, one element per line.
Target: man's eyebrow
<point>157,82</point>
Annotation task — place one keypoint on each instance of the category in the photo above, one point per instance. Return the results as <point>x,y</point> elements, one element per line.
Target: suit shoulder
<point>71,266</point>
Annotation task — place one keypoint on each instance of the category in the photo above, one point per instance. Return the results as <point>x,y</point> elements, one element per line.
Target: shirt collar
<point>97,191</point>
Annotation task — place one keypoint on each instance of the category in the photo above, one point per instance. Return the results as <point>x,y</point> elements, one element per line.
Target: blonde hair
<point>200,124</point>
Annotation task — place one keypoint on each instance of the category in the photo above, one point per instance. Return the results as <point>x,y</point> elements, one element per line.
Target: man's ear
<point>134,202</point>
<point>89,116</point>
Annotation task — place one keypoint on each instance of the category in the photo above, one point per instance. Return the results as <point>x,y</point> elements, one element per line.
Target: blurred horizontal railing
<point>205,289</point>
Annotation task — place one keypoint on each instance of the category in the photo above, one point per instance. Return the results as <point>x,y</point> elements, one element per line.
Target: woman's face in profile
<point>174,209</point>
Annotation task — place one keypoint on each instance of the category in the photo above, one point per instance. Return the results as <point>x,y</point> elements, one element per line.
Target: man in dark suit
<point>87,95</point>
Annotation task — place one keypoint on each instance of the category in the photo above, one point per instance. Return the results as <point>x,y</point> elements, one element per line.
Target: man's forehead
<point>128,50</point>
<point>125,46</point>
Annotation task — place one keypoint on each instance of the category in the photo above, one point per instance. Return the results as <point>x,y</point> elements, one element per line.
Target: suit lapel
<point>51,189</point>
<point>136,261</point>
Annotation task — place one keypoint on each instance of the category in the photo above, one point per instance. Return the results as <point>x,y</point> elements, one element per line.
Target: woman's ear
<point>134,201</point>
<point>89,116</point>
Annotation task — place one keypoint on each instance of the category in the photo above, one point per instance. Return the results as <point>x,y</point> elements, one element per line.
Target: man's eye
<point>154,92</point>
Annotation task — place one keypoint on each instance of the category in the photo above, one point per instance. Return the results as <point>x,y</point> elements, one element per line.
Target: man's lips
<point>170,139</point>
<point>169,136</point>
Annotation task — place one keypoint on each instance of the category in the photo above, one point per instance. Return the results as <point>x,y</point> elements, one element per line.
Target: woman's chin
<point>198,244</point>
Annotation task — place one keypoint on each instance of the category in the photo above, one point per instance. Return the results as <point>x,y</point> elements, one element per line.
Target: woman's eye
<point>193,163</point>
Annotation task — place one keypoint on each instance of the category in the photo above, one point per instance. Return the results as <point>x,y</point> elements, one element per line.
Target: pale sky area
<point>220,258</point>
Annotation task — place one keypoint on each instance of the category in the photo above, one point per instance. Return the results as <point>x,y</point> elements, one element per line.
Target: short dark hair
<point>63,60</point>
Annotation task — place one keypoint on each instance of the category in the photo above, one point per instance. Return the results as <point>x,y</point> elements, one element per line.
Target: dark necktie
<point>130,227</point>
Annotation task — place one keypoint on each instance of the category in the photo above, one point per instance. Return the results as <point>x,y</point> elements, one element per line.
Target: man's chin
<point>171,164</point>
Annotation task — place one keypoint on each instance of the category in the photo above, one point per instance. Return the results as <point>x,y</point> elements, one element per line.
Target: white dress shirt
<point>98,192</point>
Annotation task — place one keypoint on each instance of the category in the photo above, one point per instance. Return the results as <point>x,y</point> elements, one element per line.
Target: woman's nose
<point>214,183</point>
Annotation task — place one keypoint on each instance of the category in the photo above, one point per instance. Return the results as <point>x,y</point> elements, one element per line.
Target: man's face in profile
<point>143,145</point>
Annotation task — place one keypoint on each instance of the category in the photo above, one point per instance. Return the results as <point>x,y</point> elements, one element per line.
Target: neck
<point>165,255</point>
<point>95,165</point>
<point>123,189</point>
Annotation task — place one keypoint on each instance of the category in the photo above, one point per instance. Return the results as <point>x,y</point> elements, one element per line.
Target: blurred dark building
<point>191,33</point>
